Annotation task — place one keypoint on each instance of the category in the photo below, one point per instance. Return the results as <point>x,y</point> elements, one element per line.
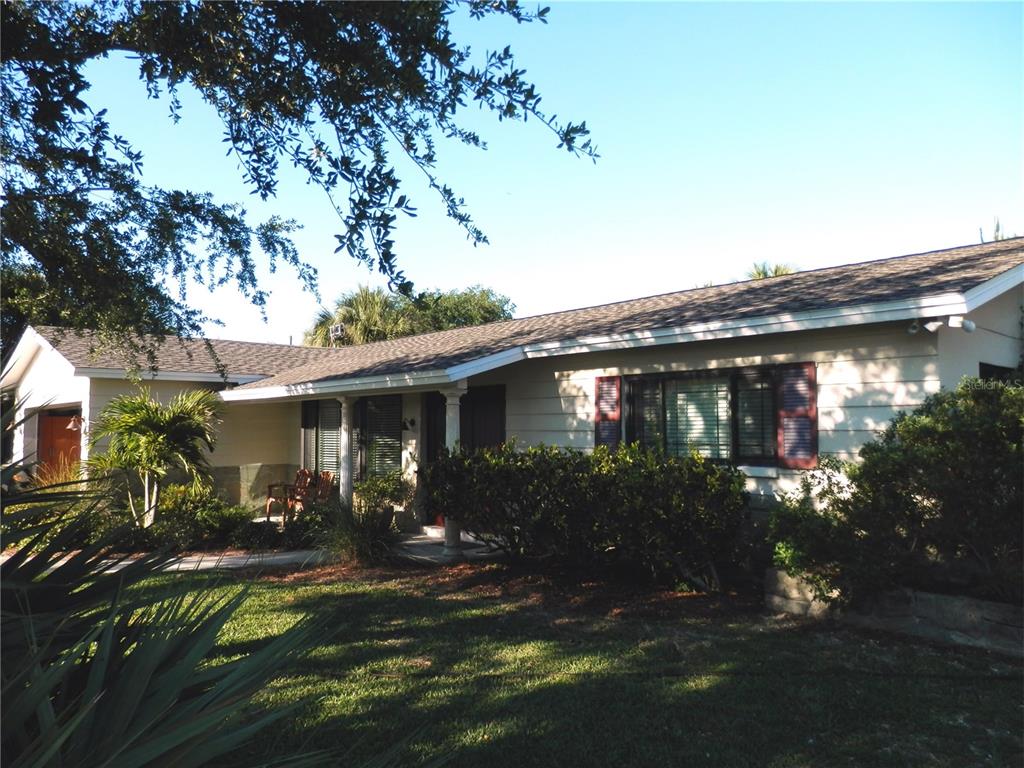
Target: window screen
<point>755,418</point>
<point>377,437</point>
<point>697,417</point>
<point>328,436</point>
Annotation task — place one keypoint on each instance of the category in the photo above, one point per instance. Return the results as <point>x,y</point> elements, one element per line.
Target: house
<point>768,374</point>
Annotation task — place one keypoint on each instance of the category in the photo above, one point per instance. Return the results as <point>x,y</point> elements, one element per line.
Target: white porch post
<point>345,451</point>
<point>452,533</point>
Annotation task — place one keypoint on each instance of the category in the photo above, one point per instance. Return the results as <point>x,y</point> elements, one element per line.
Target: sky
<point>810,134</point>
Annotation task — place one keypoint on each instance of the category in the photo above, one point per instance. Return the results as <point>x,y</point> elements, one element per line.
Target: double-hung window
<point>757,416</point>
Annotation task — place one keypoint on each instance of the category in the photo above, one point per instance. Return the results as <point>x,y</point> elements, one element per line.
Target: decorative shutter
<point>608,411</point>
<point>797,431</point>
<point>310,422</point>
<point>384,435</point>
<point>328,438</point>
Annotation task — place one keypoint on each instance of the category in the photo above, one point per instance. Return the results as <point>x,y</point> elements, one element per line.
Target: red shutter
<point>797,427</point>
<point>608,411</point>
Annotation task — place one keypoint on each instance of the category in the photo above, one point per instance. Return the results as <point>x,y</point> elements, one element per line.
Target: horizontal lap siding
<point>258,433</point>
<point>865,377</point>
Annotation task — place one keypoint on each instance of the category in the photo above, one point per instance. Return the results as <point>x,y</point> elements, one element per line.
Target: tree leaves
<point>333,89</point>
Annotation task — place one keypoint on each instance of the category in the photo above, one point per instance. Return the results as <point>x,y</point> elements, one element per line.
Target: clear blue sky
<point>810,134</point>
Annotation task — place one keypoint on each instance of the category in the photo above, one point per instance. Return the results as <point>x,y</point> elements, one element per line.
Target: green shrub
<point>676,519</point>
<point>365,532</point>
<point>257,535</point>
<point>219,521</point>
<point>306,528</point>
<point>936,503</point>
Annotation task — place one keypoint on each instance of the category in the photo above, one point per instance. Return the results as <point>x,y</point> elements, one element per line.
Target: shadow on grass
<point>512,669</point>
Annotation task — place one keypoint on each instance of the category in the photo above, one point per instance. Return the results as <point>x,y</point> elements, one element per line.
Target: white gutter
<point>311,389</point>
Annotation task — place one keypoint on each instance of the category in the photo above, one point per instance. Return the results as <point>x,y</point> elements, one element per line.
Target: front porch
<point>358,435</point>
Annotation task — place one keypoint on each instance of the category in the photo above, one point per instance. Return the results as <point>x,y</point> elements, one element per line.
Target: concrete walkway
<point>425,548</point>
<point>428,549</point>
<point>301,558</point>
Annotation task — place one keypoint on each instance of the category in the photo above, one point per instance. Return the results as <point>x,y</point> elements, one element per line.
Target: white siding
<point>258,433</point>
<point>48,382</point>
<point>996,340</point>
<point>865,376</point>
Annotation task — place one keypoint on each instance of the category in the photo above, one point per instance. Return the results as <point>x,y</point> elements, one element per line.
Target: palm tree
<point>763,269</point>
<point>149,439</point>
<point>365,315</point>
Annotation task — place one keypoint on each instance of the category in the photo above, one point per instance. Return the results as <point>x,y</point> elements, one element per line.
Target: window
<point>376,442</point>
<point>990,372</point>
<point>321,426</point>
<point>697,416</point>
<point>763,416</point>
<point>377,436</point>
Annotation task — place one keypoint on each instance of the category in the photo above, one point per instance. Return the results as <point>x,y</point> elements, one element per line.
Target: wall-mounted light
<point>914,328</point>
<point>958,321</point>
<point>408,425</point>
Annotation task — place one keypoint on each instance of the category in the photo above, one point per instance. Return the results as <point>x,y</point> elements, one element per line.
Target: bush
<point>366,532</point>
<point>257,535</point>
<point>676,519</point>
<point>189,518</point>
<point>935,504</point>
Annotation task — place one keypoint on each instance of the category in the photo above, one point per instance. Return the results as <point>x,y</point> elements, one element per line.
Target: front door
<point>481,420</point>
<point>482,417</point>
<point>60,439</point>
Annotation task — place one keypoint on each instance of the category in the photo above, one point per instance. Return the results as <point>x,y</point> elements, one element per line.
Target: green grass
<point>497,668</point>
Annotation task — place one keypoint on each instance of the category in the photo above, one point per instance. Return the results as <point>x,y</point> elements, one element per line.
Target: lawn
<point>496,667</point>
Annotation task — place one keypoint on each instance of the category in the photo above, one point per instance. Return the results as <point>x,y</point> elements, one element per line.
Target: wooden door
<point>60,438</point>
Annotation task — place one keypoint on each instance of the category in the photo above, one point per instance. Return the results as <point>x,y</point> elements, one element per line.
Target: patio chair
<point>289,494</point>
<point>319,493</point>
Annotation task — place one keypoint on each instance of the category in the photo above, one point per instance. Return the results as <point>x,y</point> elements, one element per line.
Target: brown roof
<point>240,358</point>
<point>954,270</point>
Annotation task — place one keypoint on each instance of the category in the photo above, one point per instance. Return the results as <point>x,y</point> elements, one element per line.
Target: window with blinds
<point>377,436</point>
<point>763,416</point>
<point>321,435</point>
<point>755,417</point>
<point>697,417</point>
<point>329,437</point>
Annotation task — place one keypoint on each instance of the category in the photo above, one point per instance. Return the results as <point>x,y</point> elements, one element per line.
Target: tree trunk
<point>148,514</point>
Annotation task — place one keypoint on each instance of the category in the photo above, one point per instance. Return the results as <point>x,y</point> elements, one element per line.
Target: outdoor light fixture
<point>914,328</point>
<point>958,321</point>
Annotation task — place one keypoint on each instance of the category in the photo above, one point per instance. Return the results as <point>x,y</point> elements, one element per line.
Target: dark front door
<point>482,417</point>
<point>481,420</point>
<point>60,438</point>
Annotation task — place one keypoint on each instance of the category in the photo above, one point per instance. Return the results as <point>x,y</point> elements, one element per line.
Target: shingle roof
<point>954,270</point>
<point>240,358</point>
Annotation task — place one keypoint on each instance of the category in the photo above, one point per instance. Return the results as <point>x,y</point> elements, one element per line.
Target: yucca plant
<point>147,439</point>
<point>99,672</point>
<point>96,673</point>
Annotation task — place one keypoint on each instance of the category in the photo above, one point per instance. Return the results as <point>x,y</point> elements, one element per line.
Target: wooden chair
<point>319,493</point>
<point>289,494</point>
<point>308,489</point>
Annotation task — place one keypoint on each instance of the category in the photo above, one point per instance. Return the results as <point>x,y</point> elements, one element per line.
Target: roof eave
<point>324,389</point>
<point>954,303</point>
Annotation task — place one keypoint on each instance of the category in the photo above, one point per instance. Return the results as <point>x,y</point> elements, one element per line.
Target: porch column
<point>345,451</point>
<point>452,533</point>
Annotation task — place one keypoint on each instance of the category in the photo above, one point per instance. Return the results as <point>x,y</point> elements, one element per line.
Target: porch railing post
<point>345,451</point>
<point>452,532</point>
